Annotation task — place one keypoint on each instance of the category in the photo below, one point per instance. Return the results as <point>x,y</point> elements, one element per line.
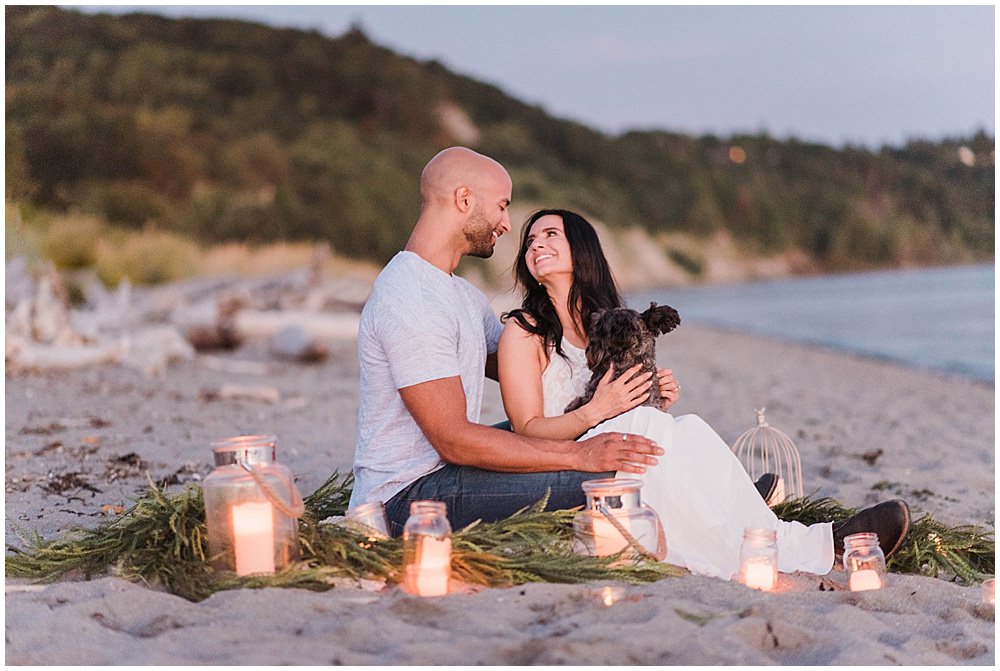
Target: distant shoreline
<point>932,319</point>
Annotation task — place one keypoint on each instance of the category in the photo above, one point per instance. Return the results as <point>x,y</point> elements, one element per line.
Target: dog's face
<point>623,330</point>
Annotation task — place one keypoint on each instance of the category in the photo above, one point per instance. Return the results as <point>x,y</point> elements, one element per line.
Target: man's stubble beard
<point>479,234</point>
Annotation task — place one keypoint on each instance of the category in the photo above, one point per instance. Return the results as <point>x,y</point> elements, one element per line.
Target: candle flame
<point>610,595</point>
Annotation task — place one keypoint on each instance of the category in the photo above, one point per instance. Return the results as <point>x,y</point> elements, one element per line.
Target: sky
<point>860,75</point>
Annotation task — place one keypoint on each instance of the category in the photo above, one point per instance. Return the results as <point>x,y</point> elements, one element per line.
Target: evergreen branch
<point>331,498</point>
<point>162,540</point>
<point>966,552</point>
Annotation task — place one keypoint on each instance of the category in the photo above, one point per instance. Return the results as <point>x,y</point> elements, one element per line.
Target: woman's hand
<point>613,397</point>
<point>670,389</point>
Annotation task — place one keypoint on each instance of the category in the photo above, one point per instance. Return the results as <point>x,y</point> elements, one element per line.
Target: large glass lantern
<point>427,549</point>
<point>251,507</point>
<point>614,518</point>
<point>864,562</point>
<point>764,449</point>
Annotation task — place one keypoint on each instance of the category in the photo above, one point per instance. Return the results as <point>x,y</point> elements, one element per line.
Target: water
<point>940,318</point>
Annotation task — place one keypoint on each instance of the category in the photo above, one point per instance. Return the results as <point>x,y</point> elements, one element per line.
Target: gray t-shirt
<point>419,324</point>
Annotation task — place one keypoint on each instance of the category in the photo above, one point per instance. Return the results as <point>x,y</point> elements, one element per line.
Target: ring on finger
<point>624,437</point>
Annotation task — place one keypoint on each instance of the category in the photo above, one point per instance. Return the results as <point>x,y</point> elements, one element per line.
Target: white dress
<point>699,489</point>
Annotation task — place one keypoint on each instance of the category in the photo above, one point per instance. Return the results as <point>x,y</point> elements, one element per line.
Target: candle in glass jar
<point>865,579</point>
<point>759,574</point>
<point>253,538</point>
<point>607,539</point>
<point>433,566</point>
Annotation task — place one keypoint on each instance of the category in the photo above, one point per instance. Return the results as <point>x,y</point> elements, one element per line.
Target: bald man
<point>427,341</point>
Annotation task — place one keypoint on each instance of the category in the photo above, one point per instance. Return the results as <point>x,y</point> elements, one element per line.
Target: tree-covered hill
<point>232,130</point>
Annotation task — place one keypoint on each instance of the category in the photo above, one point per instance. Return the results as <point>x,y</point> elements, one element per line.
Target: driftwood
<point>294,344</point>
<point>323,325</point>
<point>152,350</point>
<point>220,332</point>
<point>295,315</point>
<point>237,366</point>
<point>23,354</point>
<point>241,392</point>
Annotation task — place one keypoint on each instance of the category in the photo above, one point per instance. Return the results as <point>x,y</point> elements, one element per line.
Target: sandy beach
<point>80,443</point>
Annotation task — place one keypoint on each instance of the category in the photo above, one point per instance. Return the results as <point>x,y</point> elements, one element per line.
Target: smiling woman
<point>548,250</point>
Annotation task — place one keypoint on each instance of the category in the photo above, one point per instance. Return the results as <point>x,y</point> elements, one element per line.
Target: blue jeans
<point>474,494</point>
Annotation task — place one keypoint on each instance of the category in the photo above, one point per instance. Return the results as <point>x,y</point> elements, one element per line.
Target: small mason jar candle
<point>427,549</point>
<point>759,559</point>
<point>864,562</point>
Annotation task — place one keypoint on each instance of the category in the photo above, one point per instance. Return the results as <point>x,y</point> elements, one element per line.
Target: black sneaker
<point>766,485</point>
<point>890,520</point>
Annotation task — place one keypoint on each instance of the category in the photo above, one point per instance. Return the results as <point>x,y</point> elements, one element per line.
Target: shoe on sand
<point>889,519</point>
<point>766,486</point>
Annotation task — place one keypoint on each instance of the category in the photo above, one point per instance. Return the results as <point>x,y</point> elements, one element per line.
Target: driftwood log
<point>295,315</point>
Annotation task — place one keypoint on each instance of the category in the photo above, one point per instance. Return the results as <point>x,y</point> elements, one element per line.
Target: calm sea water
<point>940,318</point>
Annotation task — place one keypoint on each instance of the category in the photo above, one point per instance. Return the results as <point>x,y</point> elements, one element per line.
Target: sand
<point>80,443</point>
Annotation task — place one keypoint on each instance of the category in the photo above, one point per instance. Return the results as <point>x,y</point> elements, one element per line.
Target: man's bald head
<point>464,210</point>
<point>456,167</point>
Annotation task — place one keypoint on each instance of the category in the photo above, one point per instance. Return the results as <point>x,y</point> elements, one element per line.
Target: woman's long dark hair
<point>593,285</point>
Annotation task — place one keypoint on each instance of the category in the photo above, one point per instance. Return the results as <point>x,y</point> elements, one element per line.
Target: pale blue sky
<point>834,74</point>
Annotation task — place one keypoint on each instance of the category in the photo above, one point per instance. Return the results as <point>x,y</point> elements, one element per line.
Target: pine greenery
<point>162,540</point>
<point>965,552</point>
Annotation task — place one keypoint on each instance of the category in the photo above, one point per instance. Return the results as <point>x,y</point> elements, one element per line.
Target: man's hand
<point>618,452</point>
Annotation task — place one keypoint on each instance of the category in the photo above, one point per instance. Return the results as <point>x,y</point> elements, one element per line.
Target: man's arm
<point>438,406</point>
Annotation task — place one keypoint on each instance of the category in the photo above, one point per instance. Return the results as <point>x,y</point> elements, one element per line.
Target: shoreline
<point>856,353</point>
<point>866,430</point>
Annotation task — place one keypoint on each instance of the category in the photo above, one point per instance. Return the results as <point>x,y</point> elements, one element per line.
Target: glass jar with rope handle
<point>252,507</point>
<point>615,519</point>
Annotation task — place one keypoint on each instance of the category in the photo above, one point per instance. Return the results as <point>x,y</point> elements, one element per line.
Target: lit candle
<point>253,538</point>
<point>759,574</point>
<point>611,595</point>
<point>433,566</point>
<point>865,579</point>
<point>607,539</point>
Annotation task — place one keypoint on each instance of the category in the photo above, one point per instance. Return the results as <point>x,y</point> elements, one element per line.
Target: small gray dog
<point>624,337</point>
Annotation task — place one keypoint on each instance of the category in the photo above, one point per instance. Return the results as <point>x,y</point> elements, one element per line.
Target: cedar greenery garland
<point>161,540</point>
<point>966,552</point>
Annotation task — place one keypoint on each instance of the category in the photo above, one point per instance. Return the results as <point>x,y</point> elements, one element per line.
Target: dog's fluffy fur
<point>624,337</point>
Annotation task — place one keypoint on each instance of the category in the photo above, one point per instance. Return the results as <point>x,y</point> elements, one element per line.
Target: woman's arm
<point>521,360</point>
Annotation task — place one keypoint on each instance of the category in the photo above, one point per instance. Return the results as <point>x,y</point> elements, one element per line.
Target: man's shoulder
<point>408,288</point>
<point>408,269</point>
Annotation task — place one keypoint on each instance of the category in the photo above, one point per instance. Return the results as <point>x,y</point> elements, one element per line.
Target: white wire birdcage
<point>764,449</point>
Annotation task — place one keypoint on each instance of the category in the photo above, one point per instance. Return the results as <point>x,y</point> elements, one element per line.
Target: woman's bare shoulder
<point>515,326</point>
<point>515,337</point>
